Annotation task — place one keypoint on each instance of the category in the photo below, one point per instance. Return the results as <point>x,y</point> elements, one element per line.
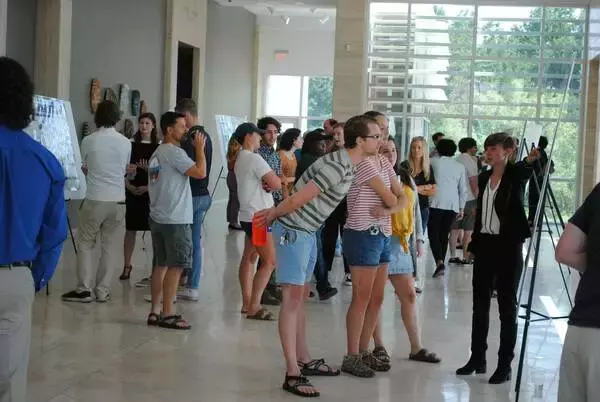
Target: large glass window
<point>303,102</point>
<point>474,70</point>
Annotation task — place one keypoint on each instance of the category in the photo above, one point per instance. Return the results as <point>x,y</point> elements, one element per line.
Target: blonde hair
<point>412,162</point>
<point>233,149</point>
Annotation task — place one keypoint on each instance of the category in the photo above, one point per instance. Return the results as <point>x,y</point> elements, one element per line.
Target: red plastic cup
<point>259,234</point>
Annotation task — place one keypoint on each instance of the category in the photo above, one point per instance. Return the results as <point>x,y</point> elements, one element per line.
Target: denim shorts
<point>296,254</point>
<point>366,248</point>
<point>401,263</point>
<point>172,245</point>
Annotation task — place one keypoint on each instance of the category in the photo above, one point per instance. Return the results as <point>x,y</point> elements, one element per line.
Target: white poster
<point>226,126</point>
<point>54,128</point>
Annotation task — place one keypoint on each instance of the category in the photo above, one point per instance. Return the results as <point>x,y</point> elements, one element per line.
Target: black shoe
<point>79,297</point>
<point>439,271</point>
<point>126,273</point>
<point>235,227</point>
<point>501,375</point>
<point>328,294</point>
<point>455,260</point>
<point>269,299</point>
<point>473,366</point>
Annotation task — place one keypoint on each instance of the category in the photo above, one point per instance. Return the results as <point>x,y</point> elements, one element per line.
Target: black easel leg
<point>71,233</point>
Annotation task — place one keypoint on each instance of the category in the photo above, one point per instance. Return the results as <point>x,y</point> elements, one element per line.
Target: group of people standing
<point>381,234</point>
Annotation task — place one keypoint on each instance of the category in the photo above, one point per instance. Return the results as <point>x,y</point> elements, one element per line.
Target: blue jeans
<point>201,206</point>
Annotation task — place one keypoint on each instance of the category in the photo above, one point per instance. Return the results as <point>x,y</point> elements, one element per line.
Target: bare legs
<point>164,282</point>
<point>129,246</point>
<point>253,285</point>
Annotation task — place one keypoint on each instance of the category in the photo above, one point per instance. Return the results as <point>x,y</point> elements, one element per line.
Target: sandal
<point>153,319</point>
<point>261,315</point>
<point>381,354</point>
<point>126,274</point>
<point>174,322</point>
<point>424,356</point>
<point>297,383</point>
<point>313,368</point>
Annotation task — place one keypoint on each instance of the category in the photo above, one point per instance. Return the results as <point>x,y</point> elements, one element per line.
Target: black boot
<point>478,366</point>
<point>501,375</point>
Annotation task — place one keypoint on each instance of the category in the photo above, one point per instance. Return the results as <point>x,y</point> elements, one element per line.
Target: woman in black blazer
<point>501,227</point>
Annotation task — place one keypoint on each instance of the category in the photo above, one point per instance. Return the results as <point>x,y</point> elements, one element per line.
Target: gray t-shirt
<point>169,187</point>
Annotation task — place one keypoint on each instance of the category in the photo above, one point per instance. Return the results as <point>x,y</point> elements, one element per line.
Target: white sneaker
<point>148,298</point>
<point>348,280</point>
<point>144,283</point>
<point>102,298</point>
<point>189,294</point>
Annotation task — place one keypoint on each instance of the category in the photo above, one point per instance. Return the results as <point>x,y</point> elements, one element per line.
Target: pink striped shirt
<point>362,198</point>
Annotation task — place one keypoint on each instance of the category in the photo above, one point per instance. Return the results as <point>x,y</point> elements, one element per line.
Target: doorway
<point>185,71</point>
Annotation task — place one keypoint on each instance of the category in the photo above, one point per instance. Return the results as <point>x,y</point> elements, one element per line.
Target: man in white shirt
<point>105,156</point>
<point>468,149</point>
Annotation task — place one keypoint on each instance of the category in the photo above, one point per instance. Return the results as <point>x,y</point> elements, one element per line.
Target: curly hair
<point>287,139</point>
<point>16,95</point>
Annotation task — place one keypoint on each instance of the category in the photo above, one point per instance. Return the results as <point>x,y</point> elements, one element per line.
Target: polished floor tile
<point>105,352</point>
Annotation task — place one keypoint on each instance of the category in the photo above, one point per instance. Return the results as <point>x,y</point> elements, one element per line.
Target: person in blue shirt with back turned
<point>33,225</point>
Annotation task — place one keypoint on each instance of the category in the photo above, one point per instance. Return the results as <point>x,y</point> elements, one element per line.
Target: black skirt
<point>137,212</point>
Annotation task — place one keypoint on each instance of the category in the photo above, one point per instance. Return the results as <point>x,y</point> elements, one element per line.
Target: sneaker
<point>374,363</point>
<point>102,298</point>
<point>348,280</point>
<point>148,298</point>
<point>328,294</point>
<point>78,297</point>
<point>354,365</point>
<point>144,283</point>
<point>189,294</point>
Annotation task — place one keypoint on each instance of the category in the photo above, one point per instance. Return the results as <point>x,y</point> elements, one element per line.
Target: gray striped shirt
<point>333,175</point>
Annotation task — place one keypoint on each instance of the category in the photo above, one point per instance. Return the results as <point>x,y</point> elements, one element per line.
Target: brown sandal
<point>261,315</point>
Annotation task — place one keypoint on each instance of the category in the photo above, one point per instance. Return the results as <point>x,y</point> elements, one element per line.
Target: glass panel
<point>508,32</point>
<point>283,95</point>
<point>320,96</point>
<point>483,128</point>
<point>453,128</point>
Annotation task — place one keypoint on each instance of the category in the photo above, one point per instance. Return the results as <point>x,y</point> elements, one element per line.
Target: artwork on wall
<point>128,128</point>
<point>143,107</point>
<point>110,94</point>
<point>123,98</point>
<point>135,102</point>
<point>95,95</point>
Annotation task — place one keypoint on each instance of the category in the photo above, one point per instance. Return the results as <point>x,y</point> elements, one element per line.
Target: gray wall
<point>229,73</point>
<point>20,35</point>
<point>117,42</point>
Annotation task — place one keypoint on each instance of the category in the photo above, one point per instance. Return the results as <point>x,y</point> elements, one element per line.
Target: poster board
<point>54,128</point>
<point>531,134</point>
<point>226,126</point>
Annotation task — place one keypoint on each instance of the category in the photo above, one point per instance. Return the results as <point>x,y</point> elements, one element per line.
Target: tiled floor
<point>105,352</point>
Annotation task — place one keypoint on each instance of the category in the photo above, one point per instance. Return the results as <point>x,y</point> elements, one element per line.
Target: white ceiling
<point>288,8</point>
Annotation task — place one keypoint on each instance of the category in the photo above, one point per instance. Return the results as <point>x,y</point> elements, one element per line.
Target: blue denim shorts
<point>401,263</point>
<point>367,248</point>
<point>296,254</point>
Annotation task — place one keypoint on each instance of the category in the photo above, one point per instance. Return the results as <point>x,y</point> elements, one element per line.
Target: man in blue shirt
<point>33,225</point>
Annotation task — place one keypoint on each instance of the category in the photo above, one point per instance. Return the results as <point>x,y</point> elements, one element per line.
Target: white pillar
<point>52,70</point>
<point>350,67</point>
<point>3,25</point>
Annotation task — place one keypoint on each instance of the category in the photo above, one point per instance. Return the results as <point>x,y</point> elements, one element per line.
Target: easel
<point>72,239</point>
<point>212,194</point>
<point>534,243</point>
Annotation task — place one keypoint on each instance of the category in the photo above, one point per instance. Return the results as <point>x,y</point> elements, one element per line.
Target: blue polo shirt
<point>33,219</point>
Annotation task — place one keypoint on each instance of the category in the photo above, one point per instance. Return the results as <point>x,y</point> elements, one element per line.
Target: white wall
<point>310,45</point>
<point>228,87</point>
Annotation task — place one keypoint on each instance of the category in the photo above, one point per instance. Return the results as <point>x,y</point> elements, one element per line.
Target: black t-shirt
<point>199,186</point>
<point>420,180</point>
<point>586,312</point>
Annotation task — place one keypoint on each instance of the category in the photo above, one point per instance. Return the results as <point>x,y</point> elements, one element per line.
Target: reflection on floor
<point>105,352</point>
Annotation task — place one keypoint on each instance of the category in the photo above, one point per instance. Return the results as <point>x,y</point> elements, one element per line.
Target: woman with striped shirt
<point>374,192</point>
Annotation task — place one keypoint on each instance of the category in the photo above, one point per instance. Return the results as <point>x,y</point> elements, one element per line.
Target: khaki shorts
<point>468,220</point>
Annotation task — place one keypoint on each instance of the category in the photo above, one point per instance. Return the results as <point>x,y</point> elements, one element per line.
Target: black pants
<point>334,227</point>
<point>233,204</point>
<point>438,228</point>
<point>498,263</point>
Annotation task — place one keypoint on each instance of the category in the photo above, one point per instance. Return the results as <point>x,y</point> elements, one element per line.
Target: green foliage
<point>504,89</point>
<point>320,96</point>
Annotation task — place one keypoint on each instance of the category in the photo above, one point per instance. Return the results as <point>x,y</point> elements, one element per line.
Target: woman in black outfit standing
<point>137,201</point>
<point>501,227</point>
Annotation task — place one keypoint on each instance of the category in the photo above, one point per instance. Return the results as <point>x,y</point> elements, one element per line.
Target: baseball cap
<point>244,129</point>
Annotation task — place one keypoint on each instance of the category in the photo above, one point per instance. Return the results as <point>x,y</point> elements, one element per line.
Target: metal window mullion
<point>541,61</point>
<point>407,60</point>
<point>472,73</point>
<point>582,103</point>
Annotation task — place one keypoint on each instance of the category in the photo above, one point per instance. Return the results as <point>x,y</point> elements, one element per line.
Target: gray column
<point>52,71</point>
<point>350,67</point>
<point>3,26</point>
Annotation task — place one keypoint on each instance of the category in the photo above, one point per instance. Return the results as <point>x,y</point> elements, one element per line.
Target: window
<point>473,70</point>
<point>303,102</point>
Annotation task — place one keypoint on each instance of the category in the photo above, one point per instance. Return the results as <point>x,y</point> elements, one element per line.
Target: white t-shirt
<point>490,223</point>
<point>168,186</point>
<point>106,154</point>
<point>470,165</point>
<point>249,170</point>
